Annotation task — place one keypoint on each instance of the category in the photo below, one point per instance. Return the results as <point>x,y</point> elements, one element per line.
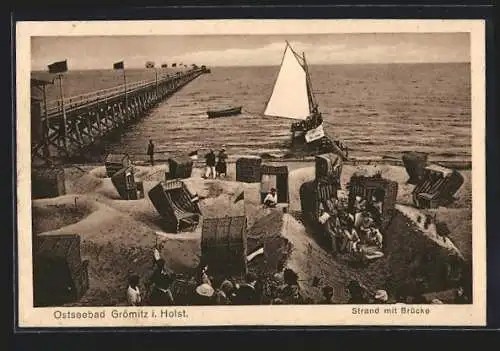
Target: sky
<point>99,52</point>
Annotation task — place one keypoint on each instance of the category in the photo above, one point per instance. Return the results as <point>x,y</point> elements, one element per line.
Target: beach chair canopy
<point>122,159</point>
<point>414,163</point>
<point>328,167</point>
<point>248,169</point>
<point>115,162</point>
<point>180,167</point>
<point>125,184</point>
<point>312,194</point>
<point>275,177</point>
<point>437,187</point>
<point>368,188</point>
<point>175,204</point>
<point>438,170</point>
<point>47,182</point>
<point>224,245</point>
<point>60,276</point>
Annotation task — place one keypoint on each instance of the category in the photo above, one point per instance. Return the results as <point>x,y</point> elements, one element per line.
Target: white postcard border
<point>303,315</point>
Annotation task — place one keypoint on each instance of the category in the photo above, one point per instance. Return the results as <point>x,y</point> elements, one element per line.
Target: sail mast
<point>310,93</point>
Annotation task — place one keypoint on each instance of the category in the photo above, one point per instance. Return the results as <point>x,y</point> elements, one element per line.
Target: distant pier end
<point>61,133</point>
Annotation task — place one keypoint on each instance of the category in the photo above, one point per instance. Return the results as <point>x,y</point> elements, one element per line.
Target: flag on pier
<point>240,197</point>
<point>118,65</point>
<point>58,67</point>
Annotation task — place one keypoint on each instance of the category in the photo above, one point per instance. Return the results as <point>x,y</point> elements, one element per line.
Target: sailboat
<point>292,97</point>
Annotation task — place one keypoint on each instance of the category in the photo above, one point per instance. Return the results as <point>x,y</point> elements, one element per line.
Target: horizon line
<point>272,65</point>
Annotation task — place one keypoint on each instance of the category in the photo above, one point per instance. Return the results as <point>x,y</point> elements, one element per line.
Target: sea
<point>377,110</point>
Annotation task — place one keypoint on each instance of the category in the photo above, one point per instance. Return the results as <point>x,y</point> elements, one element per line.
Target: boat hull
<point>224,113</point>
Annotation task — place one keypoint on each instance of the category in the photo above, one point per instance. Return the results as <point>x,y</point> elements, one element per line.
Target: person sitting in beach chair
<point>375,237</point>
<point>350,237</point>
<point>369,232</point>
<point>330,221</point>
<point>271,199</point>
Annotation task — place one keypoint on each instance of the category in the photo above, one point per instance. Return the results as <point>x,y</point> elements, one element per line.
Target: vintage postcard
<point>251,173</point>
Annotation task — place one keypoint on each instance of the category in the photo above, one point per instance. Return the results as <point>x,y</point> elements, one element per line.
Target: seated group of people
<point>356,233</point>
<point>312,121</point>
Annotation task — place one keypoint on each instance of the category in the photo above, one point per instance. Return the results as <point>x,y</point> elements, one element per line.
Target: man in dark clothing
<point>221,167</point>
<point>161,281</point>
<point>151,151</point>
<point>327,295</point>
<point>357,294</point>
<point>247,293</point>
<point>210,164</point>
<point>290,292</point>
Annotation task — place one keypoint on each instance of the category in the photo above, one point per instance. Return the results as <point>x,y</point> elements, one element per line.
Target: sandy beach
<point>118,236</point>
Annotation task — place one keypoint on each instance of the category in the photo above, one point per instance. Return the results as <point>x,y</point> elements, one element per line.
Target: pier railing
<point>54,107</point>
<point>59,132</point>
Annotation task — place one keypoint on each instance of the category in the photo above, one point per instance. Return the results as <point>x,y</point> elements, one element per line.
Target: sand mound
<point>459,222</point>
<point>155,173</point>
<point>414,253</point>
<point>98,172</point>
<point>110,265</point>
<point>310,260</point>
<point>78,182</point>
<point>52,214</point>
<point>287,242</point>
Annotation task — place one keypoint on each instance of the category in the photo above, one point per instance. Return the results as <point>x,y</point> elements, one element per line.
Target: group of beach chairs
<point>174,202</point>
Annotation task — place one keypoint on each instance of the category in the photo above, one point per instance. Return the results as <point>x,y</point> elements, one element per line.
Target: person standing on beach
<point>151,152</point>
<point>221,167</point>
<point>210,164</point>
<point>161,281</point>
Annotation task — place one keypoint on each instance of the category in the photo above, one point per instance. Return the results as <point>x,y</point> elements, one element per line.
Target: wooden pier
<point>63,130</point>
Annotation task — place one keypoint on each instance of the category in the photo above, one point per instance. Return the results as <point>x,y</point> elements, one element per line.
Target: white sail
<point>290,97</point>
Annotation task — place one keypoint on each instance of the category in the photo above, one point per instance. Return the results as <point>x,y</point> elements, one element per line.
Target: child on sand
<point>133,292</point>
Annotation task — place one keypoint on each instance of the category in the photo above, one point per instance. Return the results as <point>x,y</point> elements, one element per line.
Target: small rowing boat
<point>224,113</point>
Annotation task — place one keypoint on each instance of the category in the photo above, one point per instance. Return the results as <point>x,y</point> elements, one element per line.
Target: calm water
<point>377,110</point>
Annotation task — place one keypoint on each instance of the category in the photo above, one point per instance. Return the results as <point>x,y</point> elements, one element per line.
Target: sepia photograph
<point>174,170</point>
